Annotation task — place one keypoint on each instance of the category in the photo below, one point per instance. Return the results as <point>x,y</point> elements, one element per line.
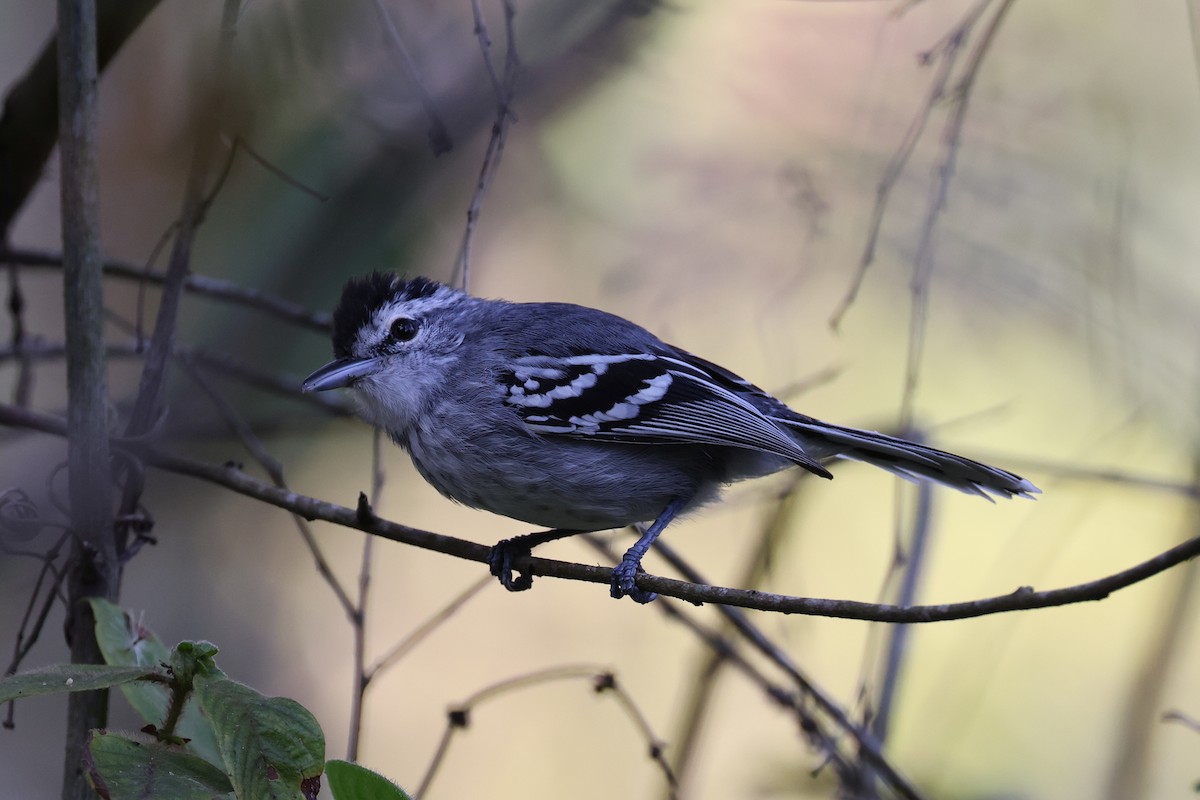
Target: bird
<point>577,420</point>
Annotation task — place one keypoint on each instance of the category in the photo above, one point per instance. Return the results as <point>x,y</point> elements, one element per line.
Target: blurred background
<point>711,171</point>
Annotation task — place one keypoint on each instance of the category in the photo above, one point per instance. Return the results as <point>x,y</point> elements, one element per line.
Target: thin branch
<point>602,680</point>
<point>1109,475</point>
<point>359,621</point>
<point>230,477</point>
<point>27,635</point>
<point>913,561</point>
<point>701,686</point>
<point>274,469</point>
<point>869,749</point>
<point>1182,719</point>
<point>239,143</point>
<point>923,260</point>
<point>439,135</point>
<point>1132,752</point>
<point>724,651</point>
<point>406,645</point>
<point>944,53</point>
<point>199,284</point>
<point>891,174</point>
<point>275,383</point>
<point>1193,9</point>
<point>23,387</point>
<point>504,91</point>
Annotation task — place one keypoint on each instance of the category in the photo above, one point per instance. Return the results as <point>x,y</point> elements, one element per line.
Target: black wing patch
<point>642,398</point>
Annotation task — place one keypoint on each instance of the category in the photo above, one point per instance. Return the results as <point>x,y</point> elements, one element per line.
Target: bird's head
<point>391,336</point>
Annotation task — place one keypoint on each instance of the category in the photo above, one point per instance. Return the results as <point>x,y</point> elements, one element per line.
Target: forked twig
<point>602,680</point>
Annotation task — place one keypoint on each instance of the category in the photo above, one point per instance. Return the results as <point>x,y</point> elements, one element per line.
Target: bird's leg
<point>631,563</point>
<point>508,550</point>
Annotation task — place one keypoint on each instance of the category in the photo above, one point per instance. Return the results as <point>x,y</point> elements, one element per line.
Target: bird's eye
<point>404,329</point>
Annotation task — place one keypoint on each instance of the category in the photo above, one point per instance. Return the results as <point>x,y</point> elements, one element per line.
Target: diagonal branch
<point>503,89</point>
<point>147,407</point>
<point>232,478</point>
<point>29,124</point>
<point>439,135</point>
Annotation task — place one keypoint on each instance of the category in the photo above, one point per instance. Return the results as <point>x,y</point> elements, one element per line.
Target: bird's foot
<point>500,563</point>
<point>506,551</point>
<point>623,582</point>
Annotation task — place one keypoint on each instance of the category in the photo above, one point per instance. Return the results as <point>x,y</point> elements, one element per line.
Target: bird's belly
<point>573,485</point>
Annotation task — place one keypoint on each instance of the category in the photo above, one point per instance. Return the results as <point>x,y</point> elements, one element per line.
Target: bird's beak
<point>339,373</point>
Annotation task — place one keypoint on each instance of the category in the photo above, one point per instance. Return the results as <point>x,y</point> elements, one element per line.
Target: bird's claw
<point>500,564</point>
<point>624,584</point>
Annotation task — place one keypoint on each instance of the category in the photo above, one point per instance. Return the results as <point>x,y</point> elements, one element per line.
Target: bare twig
<point>27,635</point>
<point>702,684</point>
<point>913,560</point>
<point>275,383</point>
<point>359,622</point>
<point>275,470</point>
<point>724,652</point>
<point>602,681</point>
<point>869,748</point>
<point>1182,719</point>
<point>439,134</point>
<point>1109,475</point>
<point>148,405</point>
<point>23,388</point>
<point>1023,599</point>
<point>1132,753</point>
<point>1193,8</point>
<point>239,143</point>
<point>923,260</point>
<point>199,284</point>
<point>503,90</point>
<point>945,54</point>
<point>406,645</point>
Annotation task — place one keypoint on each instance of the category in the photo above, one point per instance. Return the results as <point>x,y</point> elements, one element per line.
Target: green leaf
<point>129,766</point>
<point>60,678</point>
<point>272,746</point>
<point>190,659</point>
<point>124,642</point>
<point>350,781</point>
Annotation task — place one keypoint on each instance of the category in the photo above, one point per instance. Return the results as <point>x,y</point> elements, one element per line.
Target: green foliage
<point>350,781</point>
<point>63,678</point>
<point>207,736</point>
<point>123,642</point>
<point>272,746</point>
<point>120,765</point>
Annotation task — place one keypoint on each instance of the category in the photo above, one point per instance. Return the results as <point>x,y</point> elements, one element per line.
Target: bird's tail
<point>908,459</point>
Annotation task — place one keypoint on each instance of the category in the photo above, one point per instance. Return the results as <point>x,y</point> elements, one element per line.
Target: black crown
<point>362,297</point>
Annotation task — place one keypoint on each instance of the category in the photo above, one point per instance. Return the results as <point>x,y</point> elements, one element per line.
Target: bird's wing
<point>668,397</point>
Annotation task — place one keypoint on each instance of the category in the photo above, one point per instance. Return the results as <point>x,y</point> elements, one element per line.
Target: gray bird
<point>574,419</point>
